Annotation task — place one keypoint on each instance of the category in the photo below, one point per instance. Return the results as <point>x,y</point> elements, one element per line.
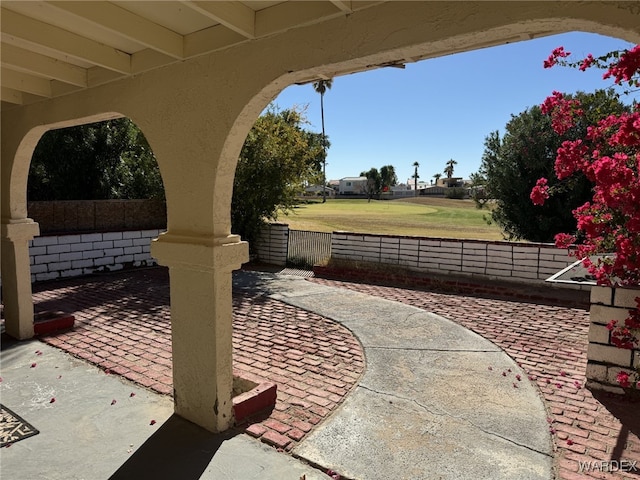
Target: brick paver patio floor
<point>122,325</point>
<point>550,345</point>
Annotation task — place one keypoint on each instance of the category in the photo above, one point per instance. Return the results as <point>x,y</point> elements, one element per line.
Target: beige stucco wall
<point>196,115</point>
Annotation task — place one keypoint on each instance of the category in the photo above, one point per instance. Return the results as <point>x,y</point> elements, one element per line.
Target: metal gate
<point>306,248</point>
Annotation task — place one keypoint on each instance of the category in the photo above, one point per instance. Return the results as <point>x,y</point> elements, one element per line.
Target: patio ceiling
<point>51,48</point>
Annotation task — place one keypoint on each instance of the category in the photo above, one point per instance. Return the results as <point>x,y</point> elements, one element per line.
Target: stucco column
<point>201,323</point>
<point>16,277</point>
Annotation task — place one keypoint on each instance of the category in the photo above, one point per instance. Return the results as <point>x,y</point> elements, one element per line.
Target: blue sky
<point>442,108</point>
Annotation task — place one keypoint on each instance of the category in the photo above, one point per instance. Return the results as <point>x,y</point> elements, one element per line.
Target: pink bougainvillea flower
<point>518,377</point>
<point>38,352</point>
<point>33,365</point>
<point>152,422</point>
<point>504,374</point>
<point>577,384</point>
<point>623,379</point>
<point>113,402</point>
<point>515,385</point>
<point>540,192</point>
<point>569,441</point>
<point>556,54</point>
<point>563,373</point>
<point>132,394</point>
<point>107,371</point>
<point>53,400</point>
<point>586,63</point>
<point>558,385</point>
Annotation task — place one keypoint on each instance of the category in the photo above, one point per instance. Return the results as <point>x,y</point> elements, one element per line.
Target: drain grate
<point>297,272</point>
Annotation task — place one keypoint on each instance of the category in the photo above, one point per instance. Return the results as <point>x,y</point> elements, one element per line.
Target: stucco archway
<point>196,113</point>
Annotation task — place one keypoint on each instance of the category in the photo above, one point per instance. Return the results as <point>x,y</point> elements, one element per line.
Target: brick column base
<point>605,360</point>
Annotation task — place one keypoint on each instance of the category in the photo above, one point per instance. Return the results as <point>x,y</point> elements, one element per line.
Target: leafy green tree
<point>104,160</point>
<point>277,158</point>
<point>373,187</point>
<point>512,164</point>
<point>388,177</point>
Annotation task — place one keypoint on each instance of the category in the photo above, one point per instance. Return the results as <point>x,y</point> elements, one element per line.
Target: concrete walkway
<point>435,401</point>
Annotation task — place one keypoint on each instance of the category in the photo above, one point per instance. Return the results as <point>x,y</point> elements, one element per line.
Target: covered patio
<point>194,76</point>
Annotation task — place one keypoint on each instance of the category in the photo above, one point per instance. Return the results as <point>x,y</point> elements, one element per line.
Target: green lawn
<point>432,217</point>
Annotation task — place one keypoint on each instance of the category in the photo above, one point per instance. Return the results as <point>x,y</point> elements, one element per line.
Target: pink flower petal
<point>33,365</point>
<point>569,441</point>
<point>53,400</point>
<point>113,402</point>
<point>132,394</point>
<point>152,422</point>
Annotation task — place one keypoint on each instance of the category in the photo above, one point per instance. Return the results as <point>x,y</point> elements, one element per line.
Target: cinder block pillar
<point>201,323</point>
<point>16,277</point>
<point>272,246</point>
<point>605,360</point>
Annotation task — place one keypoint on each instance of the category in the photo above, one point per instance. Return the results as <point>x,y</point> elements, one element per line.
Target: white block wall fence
<point>504,261</point>
<point>60,256</point>
<point>525,263</point>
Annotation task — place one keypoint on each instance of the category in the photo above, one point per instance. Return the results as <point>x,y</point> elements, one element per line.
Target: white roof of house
<point>352,179</point>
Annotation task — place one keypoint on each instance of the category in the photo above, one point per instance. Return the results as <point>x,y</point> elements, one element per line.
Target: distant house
<point>352,185</point>
<point>421,185</point>
<point>451,182</point>
<point>317,190</point>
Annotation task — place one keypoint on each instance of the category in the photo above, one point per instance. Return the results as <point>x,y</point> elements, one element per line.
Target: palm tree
<point>321,86</point>
<point>437,177</point>
<point>415,177</point>
<point>448,170</point>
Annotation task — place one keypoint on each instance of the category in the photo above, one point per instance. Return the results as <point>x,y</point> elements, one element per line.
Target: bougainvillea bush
<point>608,227</point>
